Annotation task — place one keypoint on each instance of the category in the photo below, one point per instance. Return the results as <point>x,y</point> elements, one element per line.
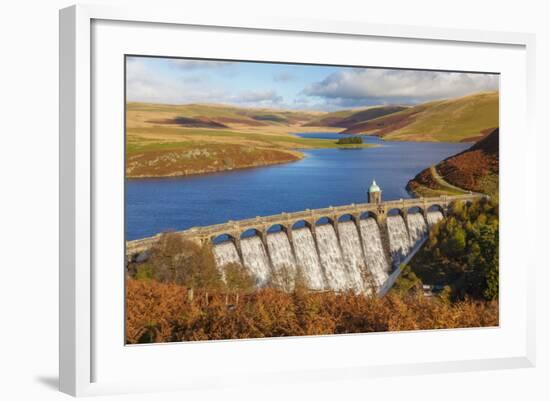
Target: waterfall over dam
<point>355,247</point>
<point>349,257</point>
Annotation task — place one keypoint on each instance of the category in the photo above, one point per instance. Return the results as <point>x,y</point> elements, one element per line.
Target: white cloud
<point>352,87</point>
<point>262,97</point>
<point>145,84</point>
<point>180,81</point>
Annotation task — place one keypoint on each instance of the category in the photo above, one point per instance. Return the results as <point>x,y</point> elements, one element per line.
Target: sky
<point>291,86</point>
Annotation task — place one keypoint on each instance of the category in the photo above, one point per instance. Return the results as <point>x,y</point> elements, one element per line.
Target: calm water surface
<point>325,177</point>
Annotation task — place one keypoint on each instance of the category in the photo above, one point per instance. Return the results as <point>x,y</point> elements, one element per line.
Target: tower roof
<point>374,187</point>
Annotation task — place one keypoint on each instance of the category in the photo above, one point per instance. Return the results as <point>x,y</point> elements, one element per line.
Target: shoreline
<point>299,156</point>
<point>297,153</point>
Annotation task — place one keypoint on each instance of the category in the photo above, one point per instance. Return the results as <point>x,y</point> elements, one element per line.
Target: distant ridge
<point>219,116</point>
<point>190,122</point>
<point>349,118</point>
<point>465,119</point>
<point>452,120</point>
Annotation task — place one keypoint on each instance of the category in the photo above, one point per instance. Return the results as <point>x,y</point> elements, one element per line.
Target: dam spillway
<point>283,262</point>
<point>400,243</point>
<point>355,247</point>
<point>255,259</point>
<point>308,263</point>
<point>352,251</point>
<point>350,255</point>
<point>376,258</point>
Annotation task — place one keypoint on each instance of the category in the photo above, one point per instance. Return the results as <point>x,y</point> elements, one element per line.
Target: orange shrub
<point>160,312</point>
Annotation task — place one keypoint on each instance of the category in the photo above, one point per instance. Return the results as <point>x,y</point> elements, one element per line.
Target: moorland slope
<point>165,140</point>
<point>350,118</point>
<point>465,119</point>
<point>476,169</point>
<point>179,140</point>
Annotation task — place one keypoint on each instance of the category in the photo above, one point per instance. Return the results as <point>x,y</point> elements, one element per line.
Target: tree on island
<point>350,140</point>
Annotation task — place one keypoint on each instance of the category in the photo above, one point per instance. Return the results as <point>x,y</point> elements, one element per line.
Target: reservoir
<point>325,177</point>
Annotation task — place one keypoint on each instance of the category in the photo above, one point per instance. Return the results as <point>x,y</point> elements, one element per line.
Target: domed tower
<point>375,194</point>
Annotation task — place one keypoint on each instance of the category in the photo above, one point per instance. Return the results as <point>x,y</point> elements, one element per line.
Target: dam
<point>357,247</point>
<point>349,255</point>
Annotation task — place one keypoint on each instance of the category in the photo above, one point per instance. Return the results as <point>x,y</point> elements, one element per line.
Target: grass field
<point>146,113</point>
<point>155,138</point>
<point>467,118</point>
<point>349,118</point>
<point>166,140</point>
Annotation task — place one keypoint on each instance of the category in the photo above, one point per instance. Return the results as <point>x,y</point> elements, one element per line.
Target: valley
<point>165,140</point>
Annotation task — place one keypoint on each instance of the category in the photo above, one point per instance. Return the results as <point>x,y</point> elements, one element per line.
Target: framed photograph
<point>279,200</point>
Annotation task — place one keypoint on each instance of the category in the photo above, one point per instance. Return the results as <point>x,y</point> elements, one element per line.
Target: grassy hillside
<point>178,140</point>
<point>330,119</point>
<point>350,118</point>
<point>202,158</point>
<point>217,115</point>
<point>468,118</point>
<point>173,140</point>
<point>476,169</point>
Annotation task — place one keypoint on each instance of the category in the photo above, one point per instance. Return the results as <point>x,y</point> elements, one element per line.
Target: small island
<point>350,140</point>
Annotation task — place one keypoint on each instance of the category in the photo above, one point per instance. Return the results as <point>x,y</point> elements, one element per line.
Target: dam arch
<point>325,220</point>
<point>251,232</point>
<point>224,237</point>
<point>435,207</point>
<point>369,213</point>
<point>347,217</point>
<point>275,228</point>
<point>416,209</point>
<point>397,211</point>
<point>302,223</point>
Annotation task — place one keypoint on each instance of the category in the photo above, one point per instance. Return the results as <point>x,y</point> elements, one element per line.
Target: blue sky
<point>290,86</point>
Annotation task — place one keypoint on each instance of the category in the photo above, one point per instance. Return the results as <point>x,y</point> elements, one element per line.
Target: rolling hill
<point>350,118</point>
<point>174,140</point>
<point>476,169</point>
<point>464,119</point>
<point>177,140</point>
<point>213,115</point>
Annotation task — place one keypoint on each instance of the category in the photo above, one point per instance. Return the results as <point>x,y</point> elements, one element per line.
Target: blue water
<point>325,177</point>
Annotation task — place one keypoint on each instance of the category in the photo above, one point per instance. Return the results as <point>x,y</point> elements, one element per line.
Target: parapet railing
<point>207,231</point>
<point>331,210</point>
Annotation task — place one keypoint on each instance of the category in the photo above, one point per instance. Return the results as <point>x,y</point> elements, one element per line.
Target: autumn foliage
<point>179,294</point>
<point>166,312</point>
<point>462,252</point>
<point>475,169</point>
<point>471,169</point>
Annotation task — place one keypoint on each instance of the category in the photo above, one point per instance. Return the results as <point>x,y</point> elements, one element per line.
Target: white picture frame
<point>80,373</point>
